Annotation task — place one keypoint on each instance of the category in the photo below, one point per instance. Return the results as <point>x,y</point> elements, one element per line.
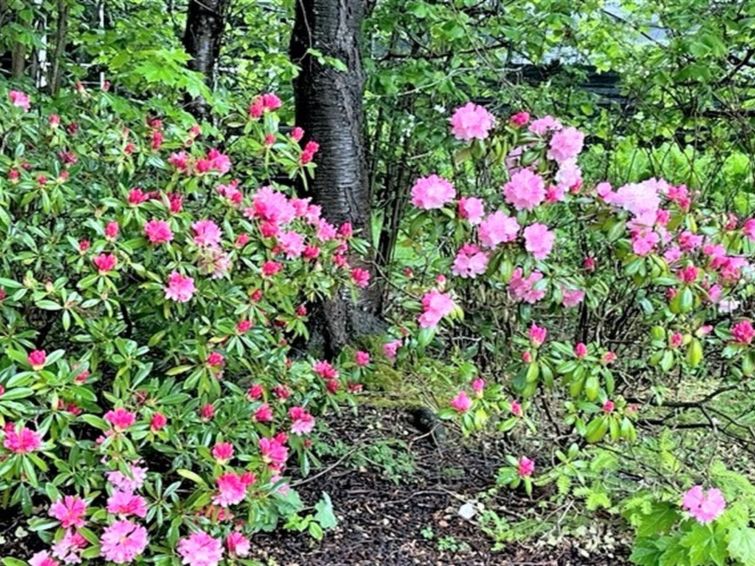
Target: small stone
<point>467,511</point>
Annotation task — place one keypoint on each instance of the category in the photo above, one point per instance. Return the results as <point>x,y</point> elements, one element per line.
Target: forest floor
<point>397,496</point>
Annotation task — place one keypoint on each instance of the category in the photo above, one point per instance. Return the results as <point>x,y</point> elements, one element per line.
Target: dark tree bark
<point>329,108</point>
<point>205,21</point>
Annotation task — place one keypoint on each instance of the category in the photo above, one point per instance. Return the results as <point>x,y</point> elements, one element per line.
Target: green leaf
<point>189,475</point>
<point>324,514</point>
<point>742,545</point>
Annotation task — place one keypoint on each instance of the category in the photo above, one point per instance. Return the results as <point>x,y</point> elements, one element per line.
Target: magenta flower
<point>120,418</point>
<point>291,243</point>
<point>37,359</point>
<point>180,288</point>
<point>743,332</point>
<point>237,544</point>
<point>704,506</point>
<point>519,119</point>
<point>566,144</point>
<point>435,306</point>
<point>69,510</point>
<point>538,240</point>
<point>325,369</point>
<point>271,206</point>
<point>158,422</point>
<point>42,558</point>
<point>527,289</point>
<point>390,349</point>
<point>158,232</point>
<point>69,548</point>
<point>471,209</point>
<point>264,414</point>
<point>360,277</point>
<point>19,100</point>
<point>200,549</point>
<point>125,503</point>
<point>516,409</point>
<point>274,452</point>
<point>525,190</point>
<point>498,228</point>
<point>126,483</point>
<point>461,403</point>
<point>105,262</point>
<point>580,350</point>
<point>478,386</point>
<point>537,335</point>
<point>21,440</point>
<point>303,422</point>
<point>123,541</point>
<point>361,358</point>
<point>206,233</point>
<point>271,268</point>
<point>222,452</point>
<point>572,297</point>
<point>232,488</point>
<point>525,467</point>
<point>432,192</point>
<point>471,122</point>
<point>112,229</point>
<point>608,406</point>
<point>748,229</point>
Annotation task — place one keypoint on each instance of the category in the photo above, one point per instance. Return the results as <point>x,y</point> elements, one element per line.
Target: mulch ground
<point>414,521</point>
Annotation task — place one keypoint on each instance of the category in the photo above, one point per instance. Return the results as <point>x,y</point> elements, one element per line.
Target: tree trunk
<point>329,108</point>
<point>205,21</point>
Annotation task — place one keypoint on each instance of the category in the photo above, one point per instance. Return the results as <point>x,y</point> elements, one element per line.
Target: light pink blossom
<point>471,122</point>
<point>525,190</point>
<point>180,288</point>
<point>200,549</point>
<point>461,403</point>
<point>123,541</point>
<point>432,192</point>
<point>538,240</point>
<point>69,510</point>
<point>435,305</point>
<point>704,506</point>
<point>498,228</point>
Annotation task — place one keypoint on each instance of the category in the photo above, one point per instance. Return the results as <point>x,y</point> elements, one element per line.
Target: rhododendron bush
<point>597,312</point>
<point>152,285</point>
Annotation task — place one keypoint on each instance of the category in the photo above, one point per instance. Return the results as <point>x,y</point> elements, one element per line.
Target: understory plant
<point>153,284</point>
<point>596,314</point>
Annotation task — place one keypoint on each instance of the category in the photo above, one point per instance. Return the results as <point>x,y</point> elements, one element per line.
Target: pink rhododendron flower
<point>69,510</point>
<point>525,190</point>
<point>158,232</point>
<point>568,177</point>
<point>743,332</point>
<point>470,262</point>
<point>704,506</point>
<point>237,544</point>
<point>303,422</point>
<point>538,240</point>
<point>123,482</point>
<point>516,409</point>
<point>589,264</point>
<point>180,288</point>
<point>390,349</point>
<point>608,406</point>
<point>461,403</point>
<point>274,452</point>
<point>19,100</point>
<point>325,369</point>
<point>498,228</point>
<point>526,289</point>
<point>566,144</point>
<point>126,503</point>
<point>105,262</point>
<point>525,468</point>
<point>206,233</point>
<point>291,243</point>
<point>519,119</point>
<point>37,359</point>
<point>179,160</point>
<point>158,422</point>
<point>672,254</point>
<point>435,306</point>
<point>308,153</point>
<point>688,274</point>
<point>361,359</point>
<point>689,242</point>
<point>748,229</point>
<point>272,206</point>
<point>271,268</point>
<point>543,125</point>
<point>112,230</point>
<point>120,418</point>
<point>297,133</point>
<point>123,541</point>
<point>642,200</point>
<point>215,359</point>
<point>432,192</point>
<point>572,297</point>
<point>471,209</point>
<point>232,488</point>
<point>69,548</point>
<point>478,386</point>
<point>263,414</point>
<point>360,277</point>
<point>43,558</point>
<point>471,122</point>
<point>537,335</point>
<point>580,350</point>
<point>200,549</point>
<point>608,358</point>
<point>175,201</point>
<point>644,242</point>
<point>222,452</point>
<point>21,440</point>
